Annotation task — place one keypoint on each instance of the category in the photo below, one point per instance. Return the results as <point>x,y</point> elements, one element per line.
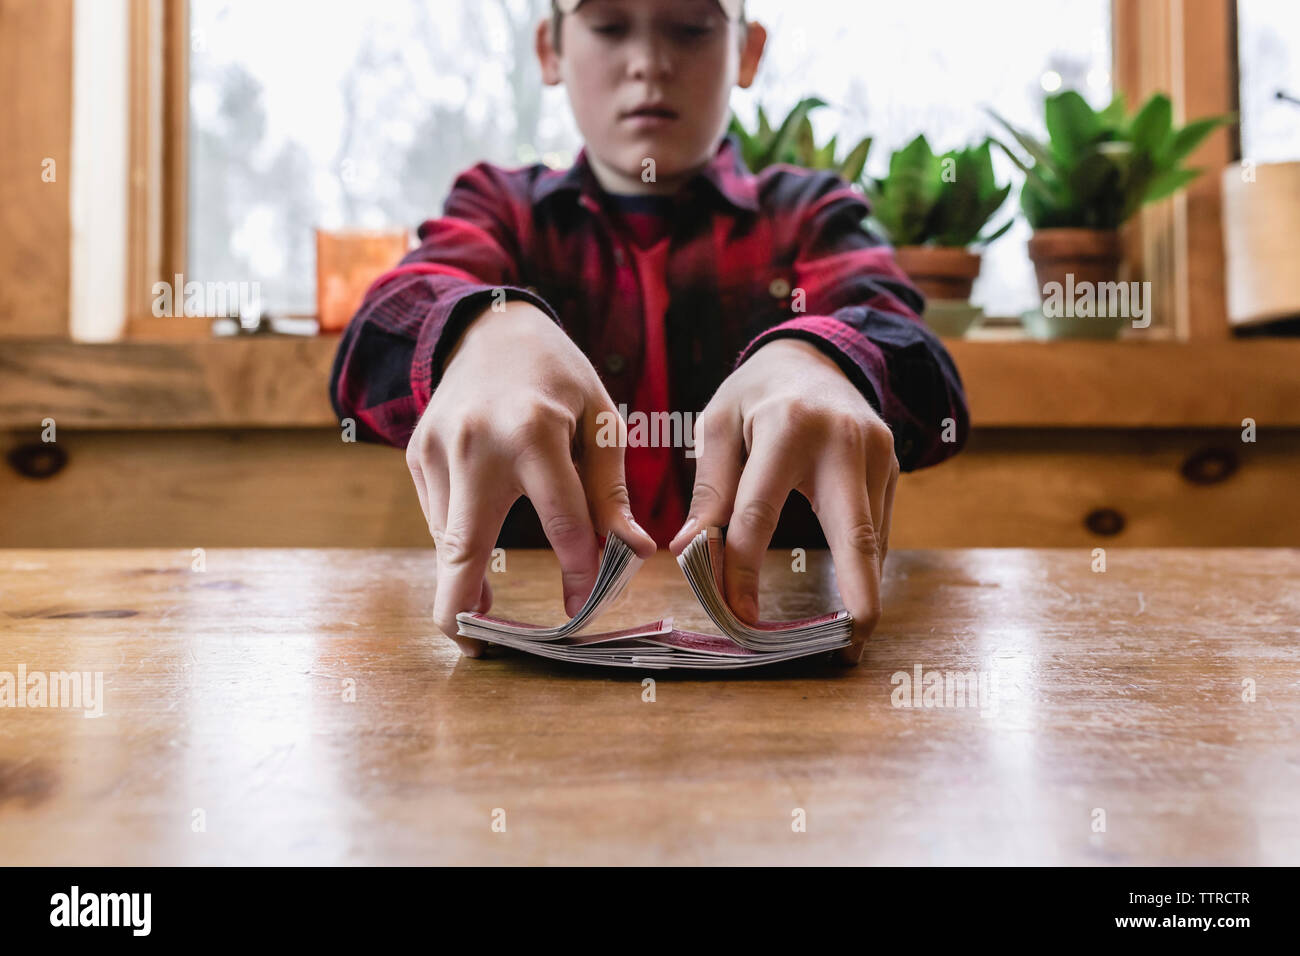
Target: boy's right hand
<point>515,414</point>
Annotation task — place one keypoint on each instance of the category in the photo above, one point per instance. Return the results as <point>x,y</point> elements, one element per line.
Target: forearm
<point>392,354</point>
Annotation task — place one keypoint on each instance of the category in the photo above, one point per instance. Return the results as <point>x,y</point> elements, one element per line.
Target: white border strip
<point>100,146</point>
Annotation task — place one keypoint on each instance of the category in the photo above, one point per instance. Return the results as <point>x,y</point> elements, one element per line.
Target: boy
<point>661,260</point>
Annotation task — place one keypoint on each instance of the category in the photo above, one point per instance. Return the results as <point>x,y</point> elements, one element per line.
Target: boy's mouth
<point>649,115</point>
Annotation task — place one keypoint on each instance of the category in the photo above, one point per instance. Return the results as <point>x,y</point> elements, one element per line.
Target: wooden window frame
<point>1188,49</point>
<point>158,225</point>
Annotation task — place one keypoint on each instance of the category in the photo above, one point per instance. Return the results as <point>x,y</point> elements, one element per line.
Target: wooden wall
<point>35,125</point>
<point>1010,488</point>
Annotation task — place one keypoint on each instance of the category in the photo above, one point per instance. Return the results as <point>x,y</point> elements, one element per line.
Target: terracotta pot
<point>1066,260</point>
<point>1091,255</point>
<point>940,272</point>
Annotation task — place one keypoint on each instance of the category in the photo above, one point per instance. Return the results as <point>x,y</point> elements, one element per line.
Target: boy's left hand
<point>789,419</point>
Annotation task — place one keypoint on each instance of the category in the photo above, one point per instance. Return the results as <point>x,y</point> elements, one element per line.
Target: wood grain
<point>253,382</point>
<point>260,382</point>
<point>146,224</point>
<point>1208,83</point>
<point>1130,384</point>
<point>272,488</point>
<point>35,125</point>
<point>1184,49</point>
<point>175,187</point>
<point>224,692</point>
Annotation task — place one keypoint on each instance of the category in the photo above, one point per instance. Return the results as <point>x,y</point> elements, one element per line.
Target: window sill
<point>270,381</point>
<point>253,381</point>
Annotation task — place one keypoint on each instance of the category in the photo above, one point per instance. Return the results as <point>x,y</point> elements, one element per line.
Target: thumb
<point>717,475</point>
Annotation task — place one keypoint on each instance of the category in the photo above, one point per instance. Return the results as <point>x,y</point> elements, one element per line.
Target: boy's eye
<point>610,29</point>
<point>691,31</point>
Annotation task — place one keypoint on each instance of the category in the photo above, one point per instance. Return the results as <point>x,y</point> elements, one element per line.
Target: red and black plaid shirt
<point>783,253</point>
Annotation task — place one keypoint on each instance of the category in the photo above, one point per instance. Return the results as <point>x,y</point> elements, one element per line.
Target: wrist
<point>513,321</point>
<point>788,348</point>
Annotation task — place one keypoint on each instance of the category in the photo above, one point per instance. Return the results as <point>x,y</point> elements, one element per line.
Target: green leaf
<point>826,154</point>
<point>1169,183</point>
<point>1071,124</point>
<point>781,144</point>
<point>1096,188</point>
<point>997,234</point>
<point>856,161</point>
<point>992,203</point>
<point>915,157</point>
<point>1041,211</point>
<point>1152,124</point>
<point>1190,136</point>
<point>1033,180</point>
<point>1036,150</point>
<point>982,163</point>
<point>905,199</point>
<point>805,145</point>
<point>1112,117</point>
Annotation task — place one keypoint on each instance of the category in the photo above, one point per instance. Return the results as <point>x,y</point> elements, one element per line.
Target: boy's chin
<point>672,158</point>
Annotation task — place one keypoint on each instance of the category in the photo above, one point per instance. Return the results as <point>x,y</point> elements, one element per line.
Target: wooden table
<point>230,735</point>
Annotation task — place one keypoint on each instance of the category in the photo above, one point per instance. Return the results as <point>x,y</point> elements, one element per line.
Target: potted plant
<point>793,142</point>
<point>1095,171</point>
<point>933,208</point>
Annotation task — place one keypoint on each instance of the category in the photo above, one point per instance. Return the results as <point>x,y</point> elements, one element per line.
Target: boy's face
<point>649,79</point>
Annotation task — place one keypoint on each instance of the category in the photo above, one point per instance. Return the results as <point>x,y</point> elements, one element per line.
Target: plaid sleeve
<point>390,356</point>
<point>865,314</point>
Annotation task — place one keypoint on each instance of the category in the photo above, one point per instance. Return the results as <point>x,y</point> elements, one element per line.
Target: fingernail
<point>636,526</point>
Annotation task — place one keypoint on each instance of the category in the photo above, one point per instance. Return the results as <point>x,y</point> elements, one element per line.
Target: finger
<point>606,484</point>
<point>721,451</point>
<point>888,514</point>
<point>765,483</point>
<point>417,476</point>
<point>476,647</point>
<point>431,488</point>
<point>429,474</point>
<point>473,520</point>
<point>844,498</point>
<point>550,480</point>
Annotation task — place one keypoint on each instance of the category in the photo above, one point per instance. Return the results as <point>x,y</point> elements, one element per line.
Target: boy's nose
<point>648,60</point>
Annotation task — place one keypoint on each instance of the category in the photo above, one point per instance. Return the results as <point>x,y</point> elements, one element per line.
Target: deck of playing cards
<point>658,645</point>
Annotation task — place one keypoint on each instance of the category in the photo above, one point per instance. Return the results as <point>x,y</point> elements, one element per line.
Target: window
<point>1268,59</point>
<point>933,66</point>
<point>305,115</point>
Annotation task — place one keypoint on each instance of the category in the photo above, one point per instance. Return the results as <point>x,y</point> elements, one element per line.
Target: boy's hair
<point>557,17</point>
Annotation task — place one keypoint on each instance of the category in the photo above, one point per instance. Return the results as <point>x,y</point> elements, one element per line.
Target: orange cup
<point>347,262</point>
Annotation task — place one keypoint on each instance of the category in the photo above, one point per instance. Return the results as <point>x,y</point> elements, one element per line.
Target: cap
<point>729,7</point>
